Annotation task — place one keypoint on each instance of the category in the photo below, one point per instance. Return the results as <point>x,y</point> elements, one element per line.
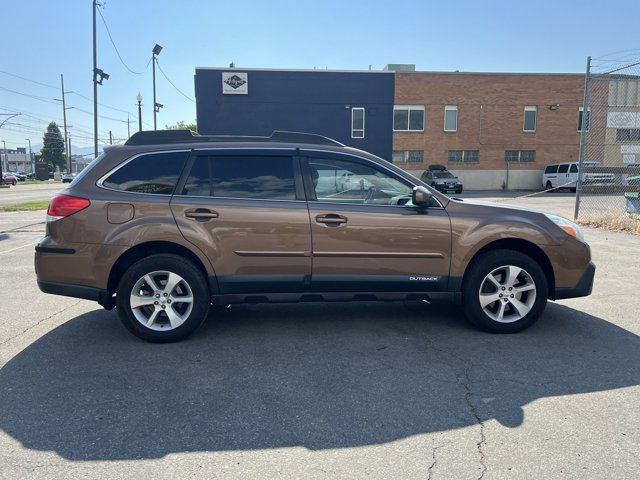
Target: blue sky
<point>41,39</point>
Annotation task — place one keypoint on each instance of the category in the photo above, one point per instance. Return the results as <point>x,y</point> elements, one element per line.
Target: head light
<point>566,225</point>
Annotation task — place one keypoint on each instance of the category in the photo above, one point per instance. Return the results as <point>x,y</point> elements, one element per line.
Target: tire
<point>171,322</point>
<point>572,189</point>
<point>548,186</point>
<point>476,283</point>
<point>459,191</point>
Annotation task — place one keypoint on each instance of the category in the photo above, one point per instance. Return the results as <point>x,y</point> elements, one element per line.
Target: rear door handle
<point>201,214</point>
<point>331,219</point>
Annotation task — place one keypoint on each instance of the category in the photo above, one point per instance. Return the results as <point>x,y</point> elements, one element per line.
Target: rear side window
<point>257,177</point>
<point>156,173</point>
<point>551,169</point>
<point>574,168</point>
<point>564,168</point>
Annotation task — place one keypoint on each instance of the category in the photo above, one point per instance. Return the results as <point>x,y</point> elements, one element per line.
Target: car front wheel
<point>504,291</point>
<point>162,298</point>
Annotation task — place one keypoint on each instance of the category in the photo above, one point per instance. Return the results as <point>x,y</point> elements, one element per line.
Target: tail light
<point>65,205</point>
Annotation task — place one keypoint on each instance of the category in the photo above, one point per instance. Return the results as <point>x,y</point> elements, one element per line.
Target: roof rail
<point>163,137</point>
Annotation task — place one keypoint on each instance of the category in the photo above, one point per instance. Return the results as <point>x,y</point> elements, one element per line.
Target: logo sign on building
<point>235,83</point>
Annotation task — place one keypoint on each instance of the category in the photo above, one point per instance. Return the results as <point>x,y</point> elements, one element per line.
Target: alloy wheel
<point>507,294</point>
<point>161,300</point>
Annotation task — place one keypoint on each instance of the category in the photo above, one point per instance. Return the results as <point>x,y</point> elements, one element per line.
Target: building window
<point>408,118</point>
<point>530,114</point>
<point>587,119</point>
<point>463,156</point>
<point>628,135</point>
<point>520,156</point>
<point>408,156</point>
<point>357,122</point>
<point>450,118</point>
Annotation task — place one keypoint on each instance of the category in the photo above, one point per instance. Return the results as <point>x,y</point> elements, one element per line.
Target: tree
<point>182,125</point>
<point>53,147</point>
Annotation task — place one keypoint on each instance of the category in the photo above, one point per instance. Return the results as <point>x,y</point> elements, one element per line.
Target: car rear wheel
<point>504,291</point>
<point>162,298</point>
<point>548,186</point>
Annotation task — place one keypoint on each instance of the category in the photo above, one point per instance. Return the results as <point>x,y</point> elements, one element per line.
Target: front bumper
<point>581,289</point>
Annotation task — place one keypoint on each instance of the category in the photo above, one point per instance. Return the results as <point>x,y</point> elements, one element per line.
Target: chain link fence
<point>608,177</point>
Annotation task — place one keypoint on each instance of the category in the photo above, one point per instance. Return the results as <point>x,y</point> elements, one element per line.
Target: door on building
<point>366,235</point>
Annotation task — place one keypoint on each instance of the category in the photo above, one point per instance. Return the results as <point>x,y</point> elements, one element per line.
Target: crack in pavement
<point>464,380</point>
<point>4,342</point>
<point>483,440</point>
<point>434,460</point>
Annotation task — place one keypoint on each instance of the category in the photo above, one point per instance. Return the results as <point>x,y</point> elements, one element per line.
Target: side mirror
<point>421,197</point>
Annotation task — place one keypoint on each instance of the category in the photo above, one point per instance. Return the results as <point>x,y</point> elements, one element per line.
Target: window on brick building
<point>463,156</point>
<point>408,118</point>
<point>520,156</point>
<point>408,156</point>
<point>628,135</point>
<point>587,119</point>
<point>450,118</point>
<point>530,120</point>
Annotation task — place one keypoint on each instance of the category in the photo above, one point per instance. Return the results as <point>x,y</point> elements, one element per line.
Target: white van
<point>566,174</point>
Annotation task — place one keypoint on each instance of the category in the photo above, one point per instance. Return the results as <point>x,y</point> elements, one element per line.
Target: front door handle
<point>331,219</point>
<point>201,214</point>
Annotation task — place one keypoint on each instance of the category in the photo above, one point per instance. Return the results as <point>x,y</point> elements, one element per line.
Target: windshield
<point>443,175</point>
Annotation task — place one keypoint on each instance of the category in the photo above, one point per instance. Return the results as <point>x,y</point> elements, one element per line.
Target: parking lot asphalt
<point>397,390</point>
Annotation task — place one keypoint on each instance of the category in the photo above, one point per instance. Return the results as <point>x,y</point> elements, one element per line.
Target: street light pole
<point>139,98</point>
<point>95,84</point>
<point>156,106</point>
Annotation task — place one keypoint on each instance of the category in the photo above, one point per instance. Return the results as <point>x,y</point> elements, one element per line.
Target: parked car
<point>9,178</point>
<point>172,222</point>
<point>438,177</point>
<point>68,177</point>
<point>20,176</point>
<point>565,175</point>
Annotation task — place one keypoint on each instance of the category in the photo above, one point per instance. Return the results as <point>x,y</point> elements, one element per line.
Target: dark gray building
<point>353,107</point>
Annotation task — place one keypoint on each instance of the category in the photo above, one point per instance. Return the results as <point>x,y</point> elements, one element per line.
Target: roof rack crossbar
<point>165,137</point>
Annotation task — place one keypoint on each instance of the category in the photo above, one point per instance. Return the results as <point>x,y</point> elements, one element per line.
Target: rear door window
<point>251,177</point>
<point>574,168</point>
<point>551,169</point>
<point>564,168</point>
<point>155,173</point>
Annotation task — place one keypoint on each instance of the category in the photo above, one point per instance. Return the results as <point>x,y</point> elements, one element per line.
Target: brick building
<point>491,129</point>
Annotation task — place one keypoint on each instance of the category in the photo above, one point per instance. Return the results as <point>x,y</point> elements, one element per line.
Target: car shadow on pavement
<point>311,375</point>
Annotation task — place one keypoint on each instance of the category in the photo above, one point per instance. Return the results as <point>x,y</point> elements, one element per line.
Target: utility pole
<point>69,150</point>
<point>95,84</point>
<point>110,138</point>
<point>33,170</point>
<point>64,119</point>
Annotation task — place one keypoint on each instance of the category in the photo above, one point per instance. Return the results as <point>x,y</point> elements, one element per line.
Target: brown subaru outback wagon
<point>171,223</point>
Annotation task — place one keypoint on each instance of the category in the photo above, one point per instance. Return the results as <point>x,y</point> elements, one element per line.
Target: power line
<point>172,84</point>
<point>29,80</point>
<point>58,89</point>
<point>114,46</point>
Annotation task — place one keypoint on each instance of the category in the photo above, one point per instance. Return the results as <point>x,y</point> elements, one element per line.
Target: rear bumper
<point>78,291</point>
<point>582,288</point>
